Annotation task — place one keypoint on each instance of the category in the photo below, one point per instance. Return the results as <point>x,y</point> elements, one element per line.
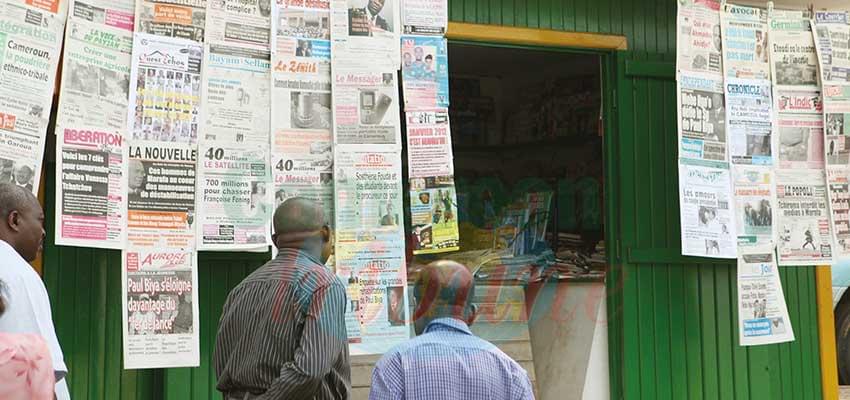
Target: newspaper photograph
<point>803,230</point>
<point>301,35</point>
<point>20,156</point>
<point>184,19</point>
<point>424,72</point>
<point>801,141</point>
<point>793,59</point>
<point>839,207</point>
<point>832,40</point>
<point>754,202</point>
<point>433,215</point>
<point>235,101</point>
<point>366,32</point>
<point>243,23</point>
<point>749,119</point>
<point>702,117</point>
<point>699,38</point>
<point>376,283</point>
<point>95,76</point>
<point>707,219</point>
<point>836,111</point>
<point>429,144</point>
<point>234,206</point>
<point>745,51</point>
<point>165,89</point>
<point>762,313</point>
<point>365,106</point>
<point>91,205</point>
<point>119,14</point>
<point>368,194</point>
<point>424,17</point>
<point>160,299</point>
<point>161,194</point>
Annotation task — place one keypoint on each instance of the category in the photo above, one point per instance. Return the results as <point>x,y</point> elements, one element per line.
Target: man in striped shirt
<point>282,330</point>
<point>445,361</point>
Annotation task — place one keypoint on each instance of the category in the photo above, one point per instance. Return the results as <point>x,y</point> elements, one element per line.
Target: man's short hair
<point>14,198</point>
<point>298,215</point>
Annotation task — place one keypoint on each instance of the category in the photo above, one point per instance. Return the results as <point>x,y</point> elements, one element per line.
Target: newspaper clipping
<point>366,32</point>
<point>30,43</point>
<point>836,109</point>
<point>117,14</point>
<point>239,22</point>
<point>165,89</point>
<point>702,118</point>
<point>762,313</point>
<point>708,222</point>
<point>160,299</point>
<point>368,195</point>
<point>95,76</point>
<point>745,51</point>
<point>792,52</point>
<point>749,120</point>
<point>803,228</point>
<point>754,201</point>
<point>699,42</point>
<point>433,215</point>
<point>832,32</point>
<point>800,125</point>
<point>234,207</point>
<point>302,166</point>
<point>365,106</point>
<point>161,194</point>
<point>91,209</point>
<point>425,17</point>
<point>424,72</point>
<point>429,143</point>
<point>184,19</point>
<point>235,101</point>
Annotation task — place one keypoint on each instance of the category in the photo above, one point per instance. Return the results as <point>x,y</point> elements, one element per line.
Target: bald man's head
<point>22,225</point>
<point>300,223</point>
<point>444,289</point>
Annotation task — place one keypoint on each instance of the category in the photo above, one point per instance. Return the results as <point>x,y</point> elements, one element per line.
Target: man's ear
<point>326,234</point>
<point>14,220</point>
<point>472,314</point>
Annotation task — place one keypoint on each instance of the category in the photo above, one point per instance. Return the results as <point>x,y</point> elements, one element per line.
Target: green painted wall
<point>673,322</point>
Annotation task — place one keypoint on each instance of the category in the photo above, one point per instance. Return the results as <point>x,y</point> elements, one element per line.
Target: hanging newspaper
<point>365,107</point>
<point>803,230</point>
<point>839,207</point>
<point>117,14</point>
<point>90,194</point>
<point>745,51</point>
<point>183,19</point>
<point>702,117</point>
<point>698,38</point>
<point>425,17</point>
<point>793,59</point>
<point>30,43</point>
<point>368,195</point>
<point>429,144</point>
<point>707,219</point>
<point>433,215</point>
<point>836,109</point>
<point>302,35</point>
<point>165,89</point>
<point>57,7</point>
<point>424,72</point>
<point>95,76</point>
<point>161,194</point>
<point>762,313</point>
<point>366,32</point>
<point>160,299</point>
<point>749,120</point>
<point>243,23</point>
<point>235,101</point>
<point>302,166</point>
<point>234,207</point>
<point>800,126</point>
<point>754,202</point>
<point>832,32</point>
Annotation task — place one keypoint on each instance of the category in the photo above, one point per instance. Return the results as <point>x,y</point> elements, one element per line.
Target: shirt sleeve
<point>521,386</point>
<point>37,302</point>
<point>323,339</point>
<point>387,379</point>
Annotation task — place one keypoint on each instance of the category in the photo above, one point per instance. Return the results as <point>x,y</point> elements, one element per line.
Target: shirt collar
<point>290,252</point>
<point>451,323</point>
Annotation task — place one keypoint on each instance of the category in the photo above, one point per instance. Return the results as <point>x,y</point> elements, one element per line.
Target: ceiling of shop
<point>507,62</point>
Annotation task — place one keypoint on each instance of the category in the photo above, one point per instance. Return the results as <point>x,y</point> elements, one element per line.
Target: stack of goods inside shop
<point>528,163</point>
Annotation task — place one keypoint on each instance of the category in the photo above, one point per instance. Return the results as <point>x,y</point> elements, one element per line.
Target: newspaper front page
<point>800,124</point>
<point>243,23</point>
<point>762,313</point>
<point>424,17</point>
<point>183,19</point>
<point>433,215</point>
<point>234,207</point>
<point>836,107</point>
<point>793,59</point>
<point>95,75</point>
<point>804,236</point>
<point>366,32</point>
<point>160,299</point>
<point>424,72</point>
<point>749,121</point>
<point>745,50</point>
<point>707,217</point>
<point>702,118</point>
<point>30,43</point>
<point>365,107</point>
<point>165,89</point>
<point>235,102</point>
<point>91,208</point>
<point>699,37</point>
<point>429,144</point>
<point>118,14</point>
<point>161,195</point>
<point>755,198</point>
<point>832,33</point>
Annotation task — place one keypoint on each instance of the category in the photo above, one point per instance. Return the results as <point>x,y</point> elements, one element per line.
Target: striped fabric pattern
<point>282,333</point>
<point>448,362</point>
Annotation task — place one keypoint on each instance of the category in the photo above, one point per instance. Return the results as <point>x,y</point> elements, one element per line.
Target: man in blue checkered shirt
<point>445,361</point>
